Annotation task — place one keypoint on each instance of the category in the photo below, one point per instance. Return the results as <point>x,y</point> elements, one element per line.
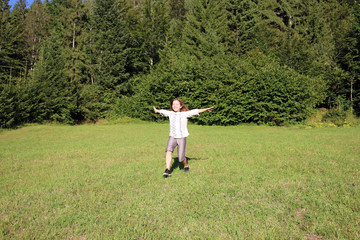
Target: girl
<point>178,130</point>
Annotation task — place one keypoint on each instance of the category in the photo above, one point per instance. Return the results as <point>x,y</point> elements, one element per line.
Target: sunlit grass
<point>246,182</point>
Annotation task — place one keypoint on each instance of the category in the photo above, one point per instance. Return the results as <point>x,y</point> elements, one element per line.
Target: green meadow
<point>105,181</point>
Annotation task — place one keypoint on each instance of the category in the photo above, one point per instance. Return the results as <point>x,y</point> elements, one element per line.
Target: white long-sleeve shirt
<point>178,122</point>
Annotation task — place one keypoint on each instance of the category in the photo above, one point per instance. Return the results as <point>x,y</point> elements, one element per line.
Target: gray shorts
<point>180,143</point>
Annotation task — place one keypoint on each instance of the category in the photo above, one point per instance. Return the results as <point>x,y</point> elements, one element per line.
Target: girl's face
<point>176,106</point>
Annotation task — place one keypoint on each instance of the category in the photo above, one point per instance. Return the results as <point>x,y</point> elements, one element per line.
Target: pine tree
<point>14,63</point>
<point>137,43</point>
<point>321,38</point>
<point>5,46</point>
<point>349,55</point>
<point>110,38</point>
<point>330,36</point>
<point>243,18</point>
<point>36,21</point>
<point>13,47</point>
<point>77,18</point>
<point>67,20</point>
<point>51,86</point>
<point>177,9</point>
<point>154,26</point>
<point>283,32</point>
<point>205,29</point>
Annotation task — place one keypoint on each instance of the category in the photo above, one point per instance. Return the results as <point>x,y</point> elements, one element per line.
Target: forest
<point>265,62</point>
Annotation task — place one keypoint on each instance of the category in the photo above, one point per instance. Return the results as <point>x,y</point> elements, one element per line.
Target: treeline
<point>269,61</point>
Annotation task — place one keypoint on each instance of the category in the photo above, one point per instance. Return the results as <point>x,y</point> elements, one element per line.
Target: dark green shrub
<point>335,116</point>
<point>254,89</point>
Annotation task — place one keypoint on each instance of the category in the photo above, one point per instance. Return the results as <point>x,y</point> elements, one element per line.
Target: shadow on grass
<point>176,164</point>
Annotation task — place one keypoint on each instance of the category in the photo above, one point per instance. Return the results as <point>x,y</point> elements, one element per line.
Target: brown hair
<point>184,108</point>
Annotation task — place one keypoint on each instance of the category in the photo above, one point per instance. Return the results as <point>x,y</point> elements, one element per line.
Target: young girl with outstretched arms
<point>178,116</point>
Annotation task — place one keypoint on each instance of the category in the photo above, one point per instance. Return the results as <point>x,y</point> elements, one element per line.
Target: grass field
<point>246,182</point>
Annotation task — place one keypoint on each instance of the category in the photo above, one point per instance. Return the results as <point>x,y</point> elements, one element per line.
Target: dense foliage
<point>268,61</point>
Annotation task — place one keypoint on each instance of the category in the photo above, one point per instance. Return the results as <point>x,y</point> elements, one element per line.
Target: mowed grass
<point>245,182</point>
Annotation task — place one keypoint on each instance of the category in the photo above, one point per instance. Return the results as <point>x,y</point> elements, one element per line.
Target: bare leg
<point>185,163</point>
<point>181,151</point>
<point>168,159</point>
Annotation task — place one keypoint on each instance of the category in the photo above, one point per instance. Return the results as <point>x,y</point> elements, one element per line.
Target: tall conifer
<point>243,19</point>
<point>36,22</point>
<point>51,87</point>
<point>154,25</point>
<point>110,40</point>
<point>5,44</point>
<point>13,46</point>
<point>205,31</point>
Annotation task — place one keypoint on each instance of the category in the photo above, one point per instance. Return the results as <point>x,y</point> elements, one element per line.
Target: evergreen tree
<point>21,54</point>
<point>36,21</point>
<point>89,46</point>
<point>205,31</point>
<point>13,47</point>
<point>67,20</point>
<point>110,38</point>
<point>173,38</point>
<point>330,30</point>
<point>282,33</point>
<point>243,19</point>
<point>51,86</point>
<point>77,18</point>
<point>5,45</point>
<point>321,38</point>
<point>177,9</point>
<point>138,55</point>
<point>350,56</point>
<point>154,25</point>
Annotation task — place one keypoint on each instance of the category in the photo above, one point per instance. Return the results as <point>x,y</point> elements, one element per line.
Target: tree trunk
<point>10,79</point>
<point>351,94</point>
<point>73,45</point>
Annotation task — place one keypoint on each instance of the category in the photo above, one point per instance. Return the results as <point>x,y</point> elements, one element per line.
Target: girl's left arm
<point>206,109</point>
<point>156,110</point>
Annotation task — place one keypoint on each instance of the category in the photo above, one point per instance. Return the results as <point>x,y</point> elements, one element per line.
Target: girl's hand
<point>205,110</point>
<point>155,110</point>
